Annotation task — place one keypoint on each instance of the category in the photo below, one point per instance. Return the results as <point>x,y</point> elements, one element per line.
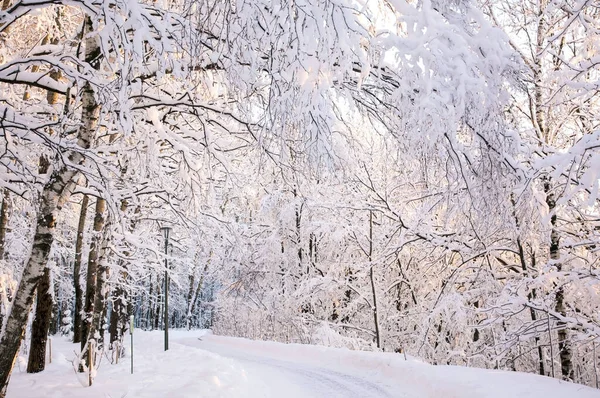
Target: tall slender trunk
<point>44,306</point>
<point>150,312</point>
<point>158,303</point>
<point>98,314</point>
<point>533,293</point>
<point>102,293</point>
<point>564,344</point>
<point>40,326</point>
<point>540,121</point>
<point>196,295</point>
<point>4,215</point>
<point>118,315</point>
<point>55,314</point>
<point>120,309</point>
<point>190,297</point>
<point>372,280</point>
<point>92,279</point>
<point>77,270</point>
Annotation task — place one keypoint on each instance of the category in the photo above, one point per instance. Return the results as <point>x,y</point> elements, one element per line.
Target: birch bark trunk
<point>55,193</point>
<point>77,271</point>
<point>41,323</point>
<point>92,280</point>
<point>4,215</point>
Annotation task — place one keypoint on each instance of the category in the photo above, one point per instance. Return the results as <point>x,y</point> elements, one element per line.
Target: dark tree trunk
<point>158,305</point>
<point>196,295</point>
<point>77,271</point>
<point>55,315</point>
<point>150,311</point>
<point>190,298</point>
<point>120,307</point>
<point>91,280</point>
<point>40,326</point>
<point>373,287</point>
<point>4,215</point>
<point>118,316</point>
<point>43,309</point>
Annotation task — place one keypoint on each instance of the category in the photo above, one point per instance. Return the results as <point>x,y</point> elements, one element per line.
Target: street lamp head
<point>165,231</point>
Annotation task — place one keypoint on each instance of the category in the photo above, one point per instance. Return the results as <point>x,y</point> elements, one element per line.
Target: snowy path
<point>201,365</point>
<point>281,378</point>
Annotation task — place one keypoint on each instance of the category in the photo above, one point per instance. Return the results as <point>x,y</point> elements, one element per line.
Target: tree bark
<point>190,297</point>
<point>196,294</point>
<point>40,326</point>
<point>541,118</point>
<point>372,280</point>
<point>77,270</point>
<point>55,313</point>
<point>533,294</point>
<point>118,315</point>
<point>157,312</point>
<point>4,215</point>
<point>150,312</point>
<point>99,313</point>
<point>91,280</point>
<point>564,344</point>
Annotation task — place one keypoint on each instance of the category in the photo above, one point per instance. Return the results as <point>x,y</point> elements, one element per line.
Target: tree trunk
<point>40,326</point>
<point>533,294</point>
<point>46,313</point>
<point>150,312</point>
<point>564,344</point>
<point>77,270</point>
<point>55,314</point>
<point>196,294</point>
<point>190,297</point>
<point>98,315</point>
<point>541,118</point>
<point>4,215</point>
<point>4,222</point>
<point>92,279</point>
<point>118,316</point>
<point>101,309</point>
<point>158,303</point>
<point>372,280</point>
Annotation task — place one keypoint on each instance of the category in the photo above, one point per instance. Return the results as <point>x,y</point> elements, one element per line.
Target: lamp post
<point>166,231</point>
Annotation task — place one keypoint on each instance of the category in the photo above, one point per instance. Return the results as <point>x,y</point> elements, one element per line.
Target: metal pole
<point>131,333</point>
<point>166,294</point>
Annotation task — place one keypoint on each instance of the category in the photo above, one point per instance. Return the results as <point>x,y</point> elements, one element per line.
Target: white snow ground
<point>202,365</point>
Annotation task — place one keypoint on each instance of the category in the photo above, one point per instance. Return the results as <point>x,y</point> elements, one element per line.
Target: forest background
<point>408,176</point>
